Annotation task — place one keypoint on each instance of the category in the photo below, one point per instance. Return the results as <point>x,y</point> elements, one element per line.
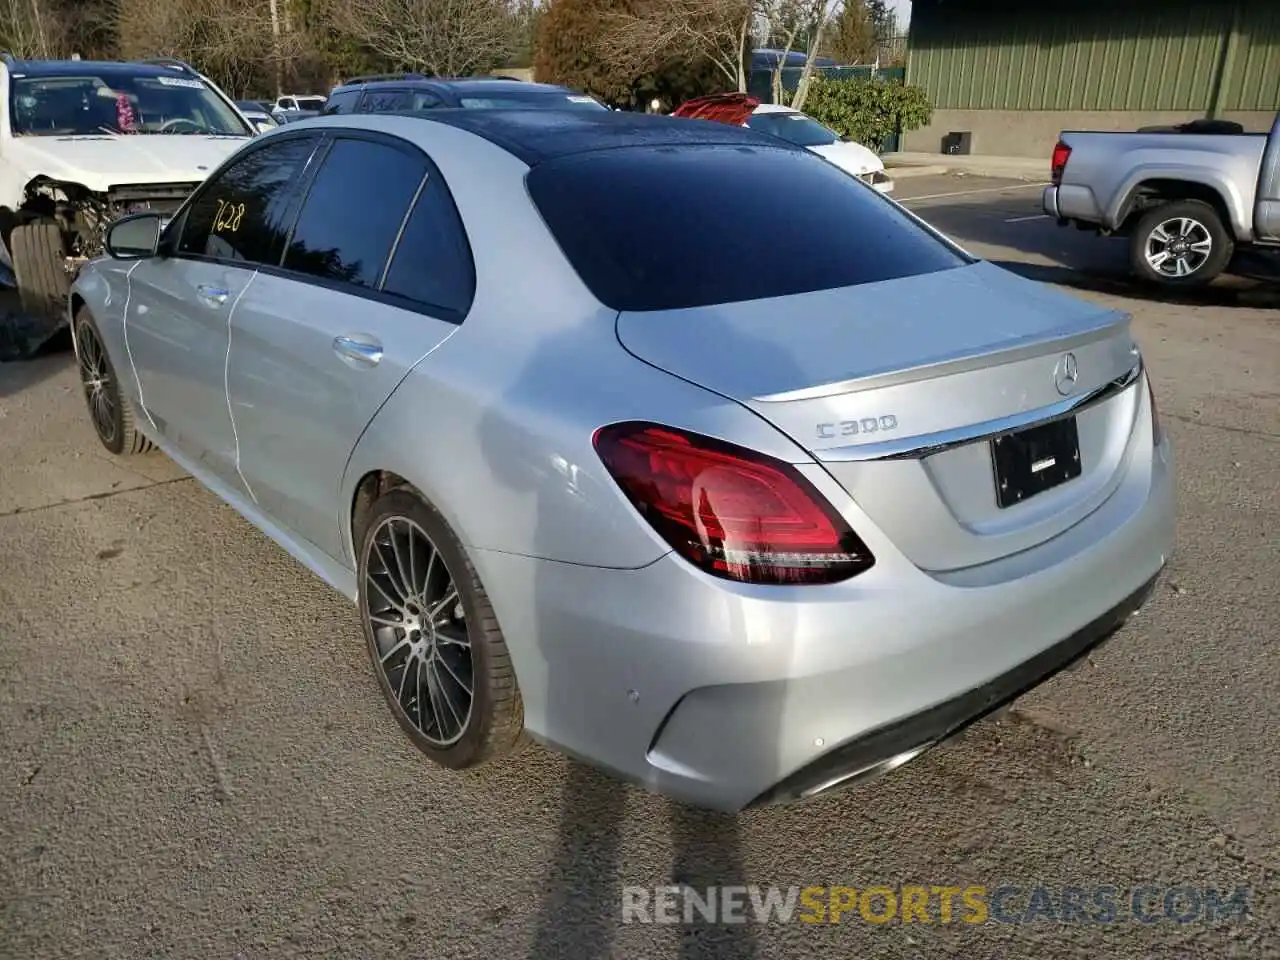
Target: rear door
<point>180,306</point>
<point>377,273</point>
<point>769,276</point>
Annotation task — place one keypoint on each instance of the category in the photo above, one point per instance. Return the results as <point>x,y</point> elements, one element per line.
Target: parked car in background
<point>798,128</point>
<point>409,92</point>
<point>293,116</point>
<point>293,101</point>
<point>736,520</point>
<point>1186,197</point>
<point>83,142</point>
<point>258,115</point>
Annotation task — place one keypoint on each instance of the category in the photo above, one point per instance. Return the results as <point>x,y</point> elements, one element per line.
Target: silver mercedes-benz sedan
<point>659,441</point>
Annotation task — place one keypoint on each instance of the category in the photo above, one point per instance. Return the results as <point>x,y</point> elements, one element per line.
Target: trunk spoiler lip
<point>1012,351</point>
<point>927,445</point>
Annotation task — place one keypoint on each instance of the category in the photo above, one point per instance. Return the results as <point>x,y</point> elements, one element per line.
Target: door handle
<point>212,296</point>
<point>369,354</point>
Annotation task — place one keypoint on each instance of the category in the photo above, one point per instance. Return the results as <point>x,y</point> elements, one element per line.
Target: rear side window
<point>342,102</point>
<point>243,212</point>
<point>432,264</point>
<point>536,101</point>
<point>353,212</point>
<point>794,128</point>
<point>665,228</point>
<point>386,101</point>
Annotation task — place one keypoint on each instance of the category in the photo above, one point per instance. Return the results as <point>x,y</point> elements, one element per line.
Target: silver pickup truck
<point>1187,197</point>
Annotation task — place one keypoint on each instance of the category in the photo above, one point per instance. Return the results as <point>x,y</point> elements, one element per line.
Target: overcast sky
<point>904,12</point>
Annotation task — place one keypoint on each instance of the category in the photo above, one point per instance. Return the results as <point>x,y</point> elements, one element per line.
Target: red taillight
<point>729,511</point>
<point>1061,154</point>
<point>1156,433</point>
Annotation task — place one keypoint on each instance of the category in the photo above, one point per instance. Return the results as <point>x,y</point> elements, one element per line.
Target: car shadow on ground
<point>1070,257</point>
<point>47,360</point>
<point>581,910</point>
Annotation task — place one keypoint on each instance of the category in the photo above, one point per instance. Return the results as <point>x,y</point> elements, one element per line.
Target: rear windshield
<point>794,128</point>
<point>666,228</point>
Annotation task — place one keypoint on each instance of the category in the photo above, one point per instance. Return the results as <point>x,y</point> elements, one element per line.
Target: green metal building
<point>1013,73</point>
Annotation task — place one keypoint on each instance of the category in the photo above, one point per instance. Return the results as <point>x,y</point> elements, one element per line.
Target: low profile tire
<point>1180,244</point>
<point>110,411</point>
<point>39,267</point>
<point>436,647</point>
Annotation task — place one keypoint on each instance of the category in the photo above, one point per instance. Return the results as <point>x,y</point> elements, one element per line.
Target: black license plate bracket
<point>1031,461</point>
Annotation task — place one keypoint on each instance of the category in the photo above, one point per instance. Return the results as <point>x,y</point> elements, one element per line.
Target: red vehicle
<point>731,108</point>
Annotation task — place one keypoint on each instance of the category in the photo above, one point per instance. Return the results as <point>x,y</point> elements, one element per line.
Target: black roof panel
<point>538,135</point>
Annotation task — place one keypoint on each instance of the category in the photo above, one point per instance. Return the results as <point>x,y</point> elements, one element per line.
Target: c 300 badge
<point>856,428</point>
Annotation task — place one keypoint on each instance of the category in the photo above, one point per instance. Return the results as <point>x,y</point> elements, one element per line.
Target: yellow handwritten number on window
<point>228,217</point>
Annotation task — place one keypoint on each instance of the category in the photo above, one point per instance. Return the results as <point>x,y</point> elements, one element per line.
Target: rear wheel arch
<point>368,489</point>
<point>1155,191</point>
<point>376,483</point>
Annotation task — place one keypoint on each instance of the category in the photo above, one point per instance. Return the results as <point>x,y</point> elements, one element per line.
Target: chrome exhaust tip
<point>865,774</point>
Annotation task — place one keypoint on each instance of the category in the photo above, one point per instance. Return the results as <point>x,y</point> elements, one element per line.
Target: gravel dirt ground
<point>195,760</point>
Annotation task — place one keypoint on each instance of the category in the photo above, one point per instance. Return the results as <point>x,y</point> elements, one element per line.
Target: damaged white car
<point>83,143</point>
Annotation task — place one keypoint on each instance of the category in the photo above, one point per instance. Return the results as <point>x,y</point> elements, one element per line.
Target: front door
<point>176,333</point>
<point>180,305</point>
<point>378,273</point>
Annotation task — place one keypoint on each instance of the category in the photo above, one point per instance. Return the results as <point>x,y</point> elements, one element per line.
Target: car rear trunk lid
<point>896,388</point>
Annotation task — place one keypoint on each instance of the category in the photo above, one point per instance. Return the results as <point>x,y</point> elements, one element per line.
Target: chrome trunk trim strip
<point>1035,347</point>
<point>927,445</point>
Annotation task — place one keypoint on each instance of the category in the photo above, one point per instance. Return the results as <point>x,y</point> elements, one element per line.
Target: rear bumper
<point>889,747</point>
<point>1049,202</point>
<point>727,696</point>
<point>1072,202</point>
<point>878,179</point>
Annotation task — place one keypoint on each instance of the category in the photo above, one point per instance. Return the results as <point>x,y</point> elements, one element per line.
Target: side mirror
<point>135,237</point>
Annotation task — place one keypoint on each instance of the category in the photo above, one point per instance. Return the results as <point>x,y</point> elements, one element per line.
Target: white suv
<point>83,143</point>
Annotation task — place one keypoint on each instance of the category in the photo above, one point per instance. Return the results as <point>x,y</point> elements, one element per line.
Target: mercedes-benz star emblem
<point>1066,374</point>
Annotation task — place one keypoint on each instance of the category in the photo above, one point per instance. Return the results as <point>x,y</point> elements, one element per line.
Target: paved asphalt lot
<point>195,761</point>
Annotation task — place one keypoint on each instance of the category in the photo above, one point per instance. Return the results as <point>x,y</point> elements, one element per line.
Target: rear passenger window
<point>386,101</point>
<point>353,212</point>
<point>243,212</point>
<point>432,264</point>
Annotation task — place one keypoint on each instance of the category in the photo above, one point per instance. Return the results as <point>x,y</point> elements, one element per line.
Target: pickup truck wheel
<point>1180,244</point>
<point>39,267</point>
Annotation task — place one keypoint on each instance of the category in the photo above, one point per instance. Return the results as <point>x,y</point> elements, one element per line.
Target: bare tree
<point>656,32</point>
<point>26,29</point>
<point>796,25</point>
<point>231,40</point>
<point>786,19</point>
<point>819,17</point>
<point>440,37</point>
